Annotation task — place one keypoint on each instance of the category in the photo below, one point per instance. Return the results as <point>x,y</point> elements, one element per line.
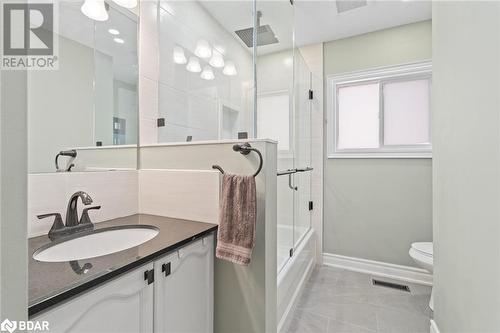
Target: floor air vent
<point>392,285</point>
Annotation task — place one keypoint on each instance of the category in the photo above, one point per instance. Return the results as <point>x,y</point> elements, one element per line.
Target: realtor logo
<point>28,38</point>
<point>8,326</point>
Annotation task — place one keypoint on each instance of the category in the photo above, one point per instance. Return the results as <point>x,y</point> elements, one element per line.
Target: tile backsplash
<point>115,191</point>
<point>184,194</point>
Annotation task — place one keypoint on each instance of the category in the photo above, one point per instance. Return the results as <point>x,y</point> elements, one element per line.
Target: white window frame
<point>383,75</point>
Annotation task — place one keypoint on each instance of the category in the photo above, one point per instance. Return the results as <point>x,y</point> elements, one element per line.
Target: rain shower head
<point>265,34</point>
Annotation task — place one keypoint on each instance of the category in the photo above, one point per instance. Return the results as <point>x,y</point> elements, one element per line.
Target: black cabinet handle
<point>166,268</point>
<point>149,276</point>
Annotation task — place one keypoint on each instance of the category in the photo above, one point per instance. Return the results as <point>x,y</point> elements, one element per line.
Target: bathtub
<point>293,275</point>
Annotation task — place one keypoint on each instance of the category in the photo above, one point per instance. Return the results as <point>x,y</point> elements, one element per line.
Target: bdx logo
<point>28,29</point>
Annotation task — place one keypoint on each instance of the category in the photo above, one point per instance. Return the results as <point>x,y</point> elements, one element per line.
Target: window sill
<point>379,155</point>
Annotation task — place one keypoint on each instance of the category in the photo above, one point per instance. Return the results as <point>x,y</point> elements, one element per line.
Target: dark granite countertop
<point>54,282</point>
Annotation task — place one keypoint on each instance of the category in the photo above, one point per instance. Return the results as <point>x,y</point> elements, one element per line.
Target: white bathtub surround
<point>184,194</point>
<point>115,191</point>
<point>378,268</point>
<point>292,278</point>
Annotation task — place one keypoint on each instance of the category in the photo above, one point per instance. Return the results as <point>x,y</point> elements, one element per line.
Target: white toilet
<point>422,254</point>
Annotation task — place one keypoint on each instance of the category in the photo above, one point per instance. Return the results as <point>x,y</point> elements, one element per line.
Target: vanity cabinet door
<point>184,282</point>
<point>121,305</point>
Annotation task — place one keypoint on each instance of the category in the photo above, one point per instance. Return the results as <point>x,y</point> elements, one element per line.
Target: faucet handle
<point>85,219</point>
<point>58,223</point>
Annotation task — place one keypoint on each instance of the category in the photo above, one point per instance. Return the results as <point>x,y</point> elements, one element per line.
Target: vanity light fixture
<point>126,3</point>
<point>203,49</point>
<point>118,40</point>
<point>95,9</point>
<point>114,31</point>
<point>193,65</point>
<point>217,60</point>
<point>207,74</point>
<point>229,69</point>
<point>179,56</point>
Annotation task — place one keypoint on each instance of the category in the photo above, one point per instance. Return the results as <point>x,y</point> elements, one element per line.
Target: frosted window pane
<point>273,119</point>
<point>406,113</point>
<point>358,117</point>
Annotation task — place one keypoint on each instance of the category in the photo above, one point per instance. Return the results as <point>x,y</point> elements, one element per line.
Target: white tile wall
<point>184,194</point>
<point>115,191</point>
<point>188,103</point>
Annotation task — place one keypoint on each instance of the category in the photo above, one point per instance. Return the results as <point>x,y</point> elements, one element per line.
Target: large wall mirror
<point>91,101</point>
<point>204,81</point>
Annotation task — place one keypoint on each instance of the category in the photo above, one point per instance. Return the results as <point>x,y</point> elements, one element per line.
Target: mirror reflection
<point>92,99</point>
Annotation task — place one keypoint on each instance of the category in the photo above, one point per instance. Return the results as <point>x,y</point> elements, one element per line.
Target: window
<point>273,118</point>
<point>380,113</point>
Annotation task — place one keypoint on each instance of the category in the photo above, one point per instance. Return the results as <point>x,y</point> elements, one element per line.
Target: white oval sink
<point>97,243</point>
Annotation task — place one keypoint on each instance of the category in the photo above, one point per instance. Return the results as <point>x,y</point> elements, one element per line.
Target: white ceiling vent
<point>346,5</point>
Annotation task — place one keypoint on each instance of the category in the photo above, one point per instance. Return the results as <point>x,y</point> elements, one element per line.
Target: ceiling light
<point>229,69</point>
<point>193,65</point>
<point>217,60</point>
<point>179,56</point>
<point>207,74</point>
<point>119,40</point>
<point>113,31</point>
<point>126,3</point>
<point>203,49</point>
<point>95,10</point>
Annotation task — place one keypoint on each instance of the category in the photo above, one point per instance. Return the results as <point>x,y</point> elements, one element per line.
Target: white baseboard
<point>378,268</point>
<point>434,327</point>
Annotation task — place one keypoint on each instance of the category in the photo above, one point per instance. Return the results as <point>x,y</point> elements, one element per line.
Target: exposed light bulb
<point>126,3</point>
<point>217,60</point>
<point>114,31</point>
<point>229,69</point>
<point>95,9</point>
<point>193,65</point>
<point>203,49</point>
<point>207,74</point>
<point>119,40</point>
<point>179,56</point>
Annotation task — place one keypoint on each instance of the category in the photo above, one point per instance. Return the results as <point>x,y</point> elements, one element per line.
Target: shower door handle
<point>295,188</point>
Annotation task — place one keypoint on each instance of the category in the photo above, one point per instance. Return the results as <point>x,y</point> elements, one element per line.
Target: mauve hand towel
<point>237,219</point>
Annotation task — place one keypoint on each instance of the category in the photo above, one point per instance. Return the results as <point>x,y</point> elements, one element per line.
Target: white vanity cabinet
<point>121,305</point>
<point>172,294</point>
<point>184,291</point>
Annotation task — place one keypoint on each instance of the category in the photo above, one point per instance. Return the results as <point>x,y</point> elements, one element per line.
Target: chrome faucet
<point>71,212</point>
<point>72,224</point>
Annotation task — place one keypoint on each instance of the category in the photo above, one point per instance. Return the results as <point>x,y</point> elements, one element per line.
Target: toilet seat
<point>424,248</point>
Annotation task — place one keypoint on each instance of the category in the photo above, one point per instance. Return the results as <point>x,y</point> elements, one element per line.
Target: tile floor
<point>340,301</point>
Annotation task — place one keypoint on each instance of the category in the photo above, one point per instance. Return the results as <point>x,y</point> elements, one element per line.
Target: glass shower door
<point>302,150</point>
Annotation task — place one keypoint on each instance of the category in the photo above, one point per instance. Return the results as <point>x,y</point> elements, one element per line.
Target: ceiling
<point>317,21</point>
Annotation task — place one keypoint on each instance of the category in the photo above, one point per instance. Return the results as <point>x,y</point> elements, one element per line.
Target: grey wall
<point>375,208</point>
<point>67,95</point>
<point>466,122</point>
<point>13,196</point>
